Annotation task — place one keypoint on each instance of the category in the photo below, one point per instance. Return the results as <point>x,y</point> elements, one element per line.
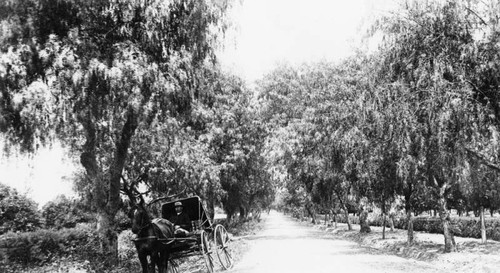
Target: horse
<point>148,233</point>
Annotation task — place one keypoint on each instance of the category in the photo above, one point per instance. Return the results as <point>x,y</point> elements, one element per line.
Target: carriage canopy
<point>194,209</point>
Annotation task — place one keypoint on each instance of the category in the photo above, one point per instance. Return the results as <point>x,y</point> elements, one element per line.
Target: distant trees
<point>17,212</point>
<point>237,137</point>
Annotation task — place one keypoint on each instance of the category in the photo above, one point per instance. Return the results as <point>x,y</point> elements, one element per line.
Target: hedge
<point>44,246</point>
<point>461,226</point>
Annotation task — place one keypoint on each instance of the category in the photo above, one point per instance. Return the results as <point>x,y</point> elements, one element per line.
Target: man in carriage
<point>181,220</point>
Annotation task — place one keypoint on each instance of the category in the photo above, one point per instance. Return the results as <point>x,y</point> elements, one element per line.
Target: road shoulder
<point>472,255</point>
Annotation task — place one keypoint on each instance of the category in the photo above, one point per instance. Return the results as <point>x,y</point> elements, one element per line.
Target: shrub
<point>44,246</point>
<point>17,212</point>
<point>63,212</point>
<point>341,218</point>
<point>65,250</point>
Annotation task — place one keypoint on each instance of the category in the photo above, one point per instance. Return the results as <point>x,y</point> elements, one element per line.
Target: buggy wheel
<point>172,267</point>
<point>207,252</point>
<point>222,243</point>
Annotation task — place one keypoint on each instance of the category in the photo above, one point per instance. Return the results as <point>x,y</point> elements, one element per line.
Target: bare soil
<point>287,245</point>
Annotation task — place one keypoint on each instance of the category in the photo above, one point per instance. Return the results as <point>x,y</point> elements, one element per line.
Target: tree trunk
<point>349,225</point>
<point>108,238</point>
<point>391,220</point>
<point>383,226</point>
<point>483,226</point>
<point>444,215</point>
<point>409,220</point>
<point>229,217</point>
<point>242,213</point>
<point>409,213</point>
<point>363,221</point>
<point>107,191</point>
<point>346,211</point>
<point>210,202</point>
<point>310,212</point>
<point>211,209</point>
<point>343,206</point>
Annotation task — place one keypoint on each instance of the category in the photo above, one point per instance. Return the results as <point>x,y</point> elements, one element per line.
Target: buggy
<point>203,238</point>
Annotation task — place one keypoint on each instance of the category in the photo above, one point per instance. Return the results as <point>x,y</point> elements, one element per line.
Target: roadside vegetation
<point>73,249</point>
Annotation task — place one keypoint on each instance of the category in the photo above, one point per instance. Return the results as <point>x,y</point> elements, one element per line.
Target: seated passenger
<point>181,221</point>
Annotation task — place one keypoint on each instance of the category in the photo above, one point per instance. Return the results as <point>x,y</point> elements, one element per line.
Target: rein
<point>144,238</point>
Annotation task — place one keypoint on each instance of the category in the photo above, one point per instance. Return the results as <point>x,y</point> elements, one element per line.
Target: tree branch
<point>482,159</point>
<point>119,159</point>
<point>475,14</point>
<point>167,197</point>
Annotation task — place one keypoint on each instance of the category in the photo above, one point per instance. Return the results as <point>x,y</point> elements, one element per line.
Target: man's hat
<point>178,204</point>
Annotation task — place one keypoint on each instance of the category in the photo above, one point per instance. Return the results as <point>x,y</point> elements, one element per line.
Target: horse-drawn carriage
<point>201,239</point>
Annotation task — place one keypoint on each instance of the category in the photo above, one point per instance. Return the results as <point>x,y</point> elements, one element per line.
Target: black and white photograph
<point>249,136</point>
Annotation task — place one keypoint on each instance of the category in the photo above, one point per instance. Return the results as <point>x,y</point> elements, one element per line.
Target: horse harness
<point>142,227</point>
<point>146,225</point>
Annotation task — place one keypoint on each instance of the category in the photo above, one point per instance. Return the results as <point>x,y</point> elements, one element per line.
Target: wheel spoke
<point>207,253</point>
<point>221,239</point>
<point>172,267</point>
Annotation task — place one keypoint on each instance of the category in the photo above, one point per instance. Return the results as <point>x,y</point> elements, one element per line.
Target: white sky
<point>294,31</point>
<point>267,32</point>
<point>42,176</point>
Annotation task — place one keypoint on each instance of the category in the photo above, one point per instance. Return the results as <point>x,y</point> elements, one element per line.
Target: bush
<point>341,218</point>
<point>65,250</point>
<point>63,212</point>
<point>17,212</point>
<point>44,246</point>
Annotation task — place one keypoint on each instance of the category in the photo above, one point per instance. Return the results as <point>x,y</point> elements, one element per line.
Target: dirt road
<point>285,245</point>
